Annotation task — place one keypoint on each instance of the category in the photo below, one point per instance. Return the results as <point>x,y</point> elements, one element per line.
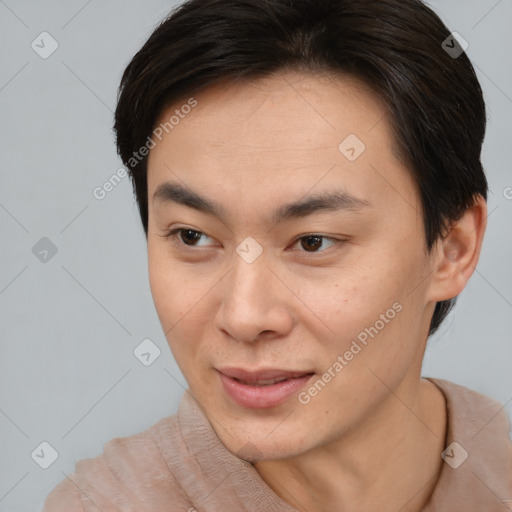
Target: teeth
<point>260,383</point>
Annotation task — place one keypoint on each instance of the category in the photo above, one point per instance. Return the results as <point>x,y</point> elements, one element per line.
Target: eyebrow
<point>313,203</point>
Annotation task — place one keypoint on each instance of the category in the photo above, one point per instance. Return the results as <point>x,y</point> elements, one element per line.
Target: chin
<point>260,445</point>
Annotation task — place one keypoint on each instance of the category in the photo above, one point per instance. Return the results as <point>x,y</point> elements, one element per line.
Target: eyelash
<point>175,239</point>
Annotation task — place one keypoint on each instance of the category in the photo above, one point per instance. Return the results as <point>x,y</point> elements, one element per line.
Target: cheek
<point>172,295</point>
<point>163,289</point>
<point>367,304</point>
<point>172,290</point>
<point>180,299</point>
<point>346,301</point>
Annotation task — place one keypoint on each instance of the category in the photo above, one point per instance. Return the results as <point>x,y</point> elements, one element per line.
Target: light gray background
<point>69,326</point>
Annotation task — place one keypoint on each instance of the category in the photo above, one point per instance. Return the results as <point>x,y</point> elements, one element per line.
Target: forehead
<point>284,110</point>
<point>291,130</point>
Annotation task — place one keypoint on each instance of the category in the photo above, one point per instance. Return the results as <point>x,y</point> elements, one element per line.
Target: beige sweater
<point>179,464</point>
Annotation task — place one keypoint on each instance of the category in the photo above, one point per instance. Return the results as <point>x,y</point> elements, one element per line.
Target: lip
<point>247,394</point>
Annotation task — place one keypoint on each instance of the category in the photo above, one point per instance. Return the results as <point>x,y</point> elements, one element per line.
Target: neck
<point>392,457</point>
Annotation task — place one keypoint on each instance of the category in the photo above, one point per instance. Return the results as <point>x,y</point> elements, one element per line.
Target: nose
<point>255,304</point>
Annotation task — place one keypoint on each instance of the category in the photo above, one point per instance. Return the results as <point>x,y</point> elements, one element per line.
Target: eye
<point>186,236</point>
<point>314,242</point>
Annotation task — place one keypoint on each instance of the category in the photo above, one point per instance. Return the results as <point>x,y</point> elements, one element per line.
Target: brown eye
<point>185,236</point>
<point>315,243</point>
<point>311,243</point>
<point>189,236</point>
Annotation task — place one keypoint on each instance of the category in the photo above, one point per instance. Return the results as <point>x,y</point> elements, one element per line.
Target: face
<point>286,241</point>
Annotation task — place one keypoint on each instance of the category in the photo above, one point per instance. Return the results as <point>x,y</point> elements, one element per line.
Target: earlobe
<point>456,255</point>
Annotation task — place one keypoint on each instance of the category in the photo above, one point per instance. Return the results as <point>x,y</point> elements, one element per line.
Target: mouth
<point>262,388</point>
<point>261,383</point>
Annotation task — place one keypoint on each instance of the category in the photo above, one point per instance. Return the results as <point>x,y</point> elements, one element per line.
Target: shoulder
<point>472,410</point>
<point>128,474</point>
<point>477,470</point>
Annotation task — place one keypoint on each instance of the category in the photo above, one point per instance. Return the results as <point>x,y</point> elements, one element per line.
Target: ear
<point>455,256</point>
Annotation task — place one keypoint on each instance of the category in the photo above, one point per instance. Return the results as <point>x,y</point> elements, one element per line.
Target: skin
<point>374,434</point>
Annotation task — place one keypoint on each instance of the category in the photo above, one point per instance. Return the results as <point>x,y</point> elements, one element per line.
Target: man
<point>309,181</point>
